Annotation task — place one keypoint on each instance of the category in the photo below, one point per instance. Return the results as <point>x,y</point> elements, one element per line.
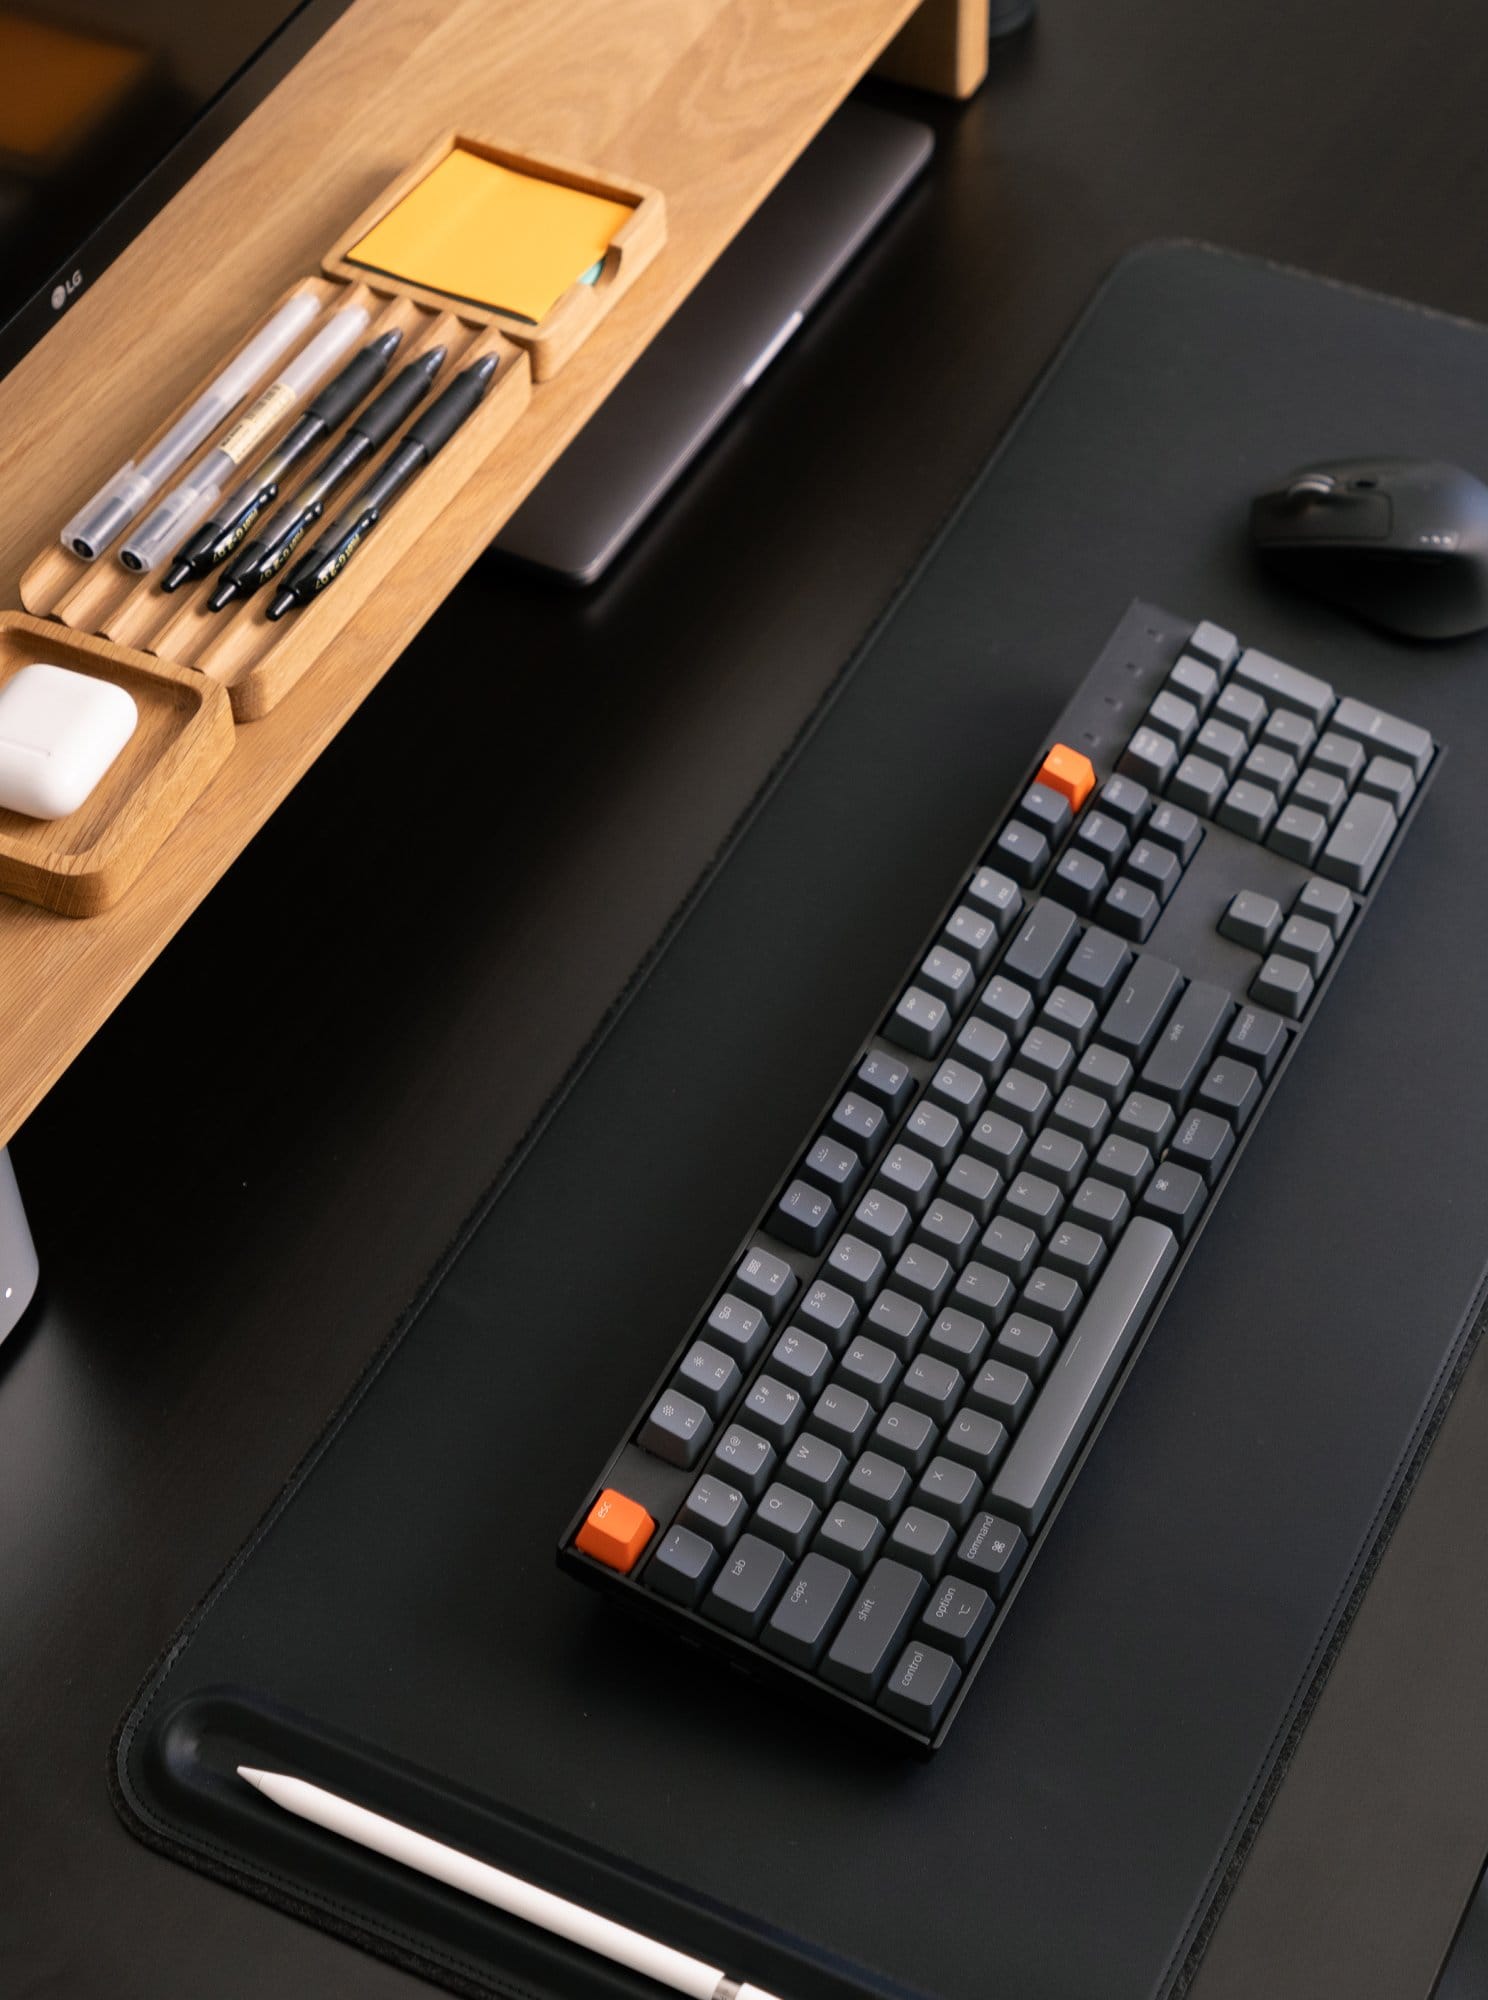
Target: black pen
<point>422,441</point>
<point>216,538</point>
<point>271,549</point>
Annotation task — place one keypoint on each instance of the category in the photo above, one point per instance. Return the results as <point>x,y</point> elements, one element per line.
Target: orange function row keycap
<point>616,1531</point>
<point>1069,773</point>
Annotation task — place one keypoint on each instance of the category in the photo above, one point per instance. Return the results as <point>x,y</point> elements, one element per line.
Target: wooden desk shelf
<point>710,102</point>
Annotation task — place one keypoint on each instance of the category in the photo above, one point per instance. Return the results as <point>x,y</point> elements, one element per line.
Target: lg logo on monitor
<point>63,290</point>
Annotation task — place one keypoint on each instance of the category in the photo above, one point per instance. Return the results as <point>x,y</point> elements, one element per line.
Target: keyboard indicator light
<point>616,1531</point>
<point>1068,772</point>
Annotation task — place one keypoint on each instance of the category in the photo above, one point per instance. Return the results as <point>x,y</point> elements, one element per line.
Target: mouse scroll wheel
<point>1311,486</point>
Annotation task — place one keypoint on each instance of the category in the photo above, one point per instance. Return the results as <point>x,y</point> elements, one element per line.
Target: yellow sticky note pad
<point>489,236</point>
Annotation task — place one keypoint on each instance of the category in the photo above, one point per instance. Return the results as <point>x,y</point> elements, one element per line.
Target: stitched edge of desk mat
<point>353,1923</point>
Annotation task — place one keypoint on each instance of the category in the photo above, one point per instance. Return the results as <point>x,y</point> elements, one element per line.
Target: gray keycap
<point>1176,827</point>
<point>1385,734</point>
<point>972,933</point>
<point>990,1551</point>
<point>1057,1155</point>
<point>681,1567</point>
<point>744,1459</point>
<point>766,1280</point>
<point>1146,1119</point>
<point>1170,715</point>
<point>1283,686</point>
<point>1204,1142</point>
<point>1269,767</point>
<point>1359,842</point>
<point>869,1370</point>
<point>908,1176</point>
<point>774,1409</point>
<point>828,1312</point>
<point>715,1509</point>
<point>1298,833</point>
<point>1131,1022</point>
<point>1106,1072</point>
<point>897,1322</point>
<point>1028,1344</point>
<point>1338,754</point>
<point>1257,1037</point>
<point>1050,1295</point>
<point>1212,643</point>
<point>850,1535</point>
<point>1070,1014</point>
<point>738,1327</point>
<point>972,1184</point>
<point>1326,903</point>
<point>843,1417</point>
<point>1097,963</point>
<point>996,893</point>
<point>1047,1055</point>
<point>874,1630</point>
<point>905,1435</point>
<point>1388,779</point>
<point>857,1266</point>
<point>1000,1391</point>
<point>998,1141</point>
<point>1131,908</point>
<point>976,1440</point>
<point>923,1540</point>
<point>1079,880</point>
<point>983,1292</point>
<point>1100,1204</point>
<point>1251,919</point>
<point>804,1619</point>
<point>710,1375</point>
<point>801,1360</point>
<point>1193,680</point>
<point>923,1275</point>
<point>1284,984</point>
<point>959,1087</point>
<point>1189,1037</point>
<point>934,1131</point>
<point>1033,1200</point>
<point>1149,758</point>
<point>1291,732</point>
<point>1242,708</point>
<point>1075,1252</point>
<point>1025,1098</point>
<point>1071,1397</point>
<point>1322,792</point>
<point>948,1487</point>
<point>1009,1246</point>
<point>1199,783</point>
<point>950,1230</point>
<point>1042,943</point>
<point>877,1483</point>
<point>1306,939</point>
<point>817,1467</point>
<point>1247,808</point>
<point>1106,837</point>
<point>947,974</point>
<point>1221,743</point>
<point>957,1617</point>
<point>883,1221</point>
<point>833,1167</point>
<point>1231,1088</point>
<point>984,1046</point>
<point>676,1430</point>
<point>786,1517</point>
<point>931,1385</point>
<point>1125,1162</point>
<point>921,1022</point>
<point>1007,1005</point>
<point>746,1585</point>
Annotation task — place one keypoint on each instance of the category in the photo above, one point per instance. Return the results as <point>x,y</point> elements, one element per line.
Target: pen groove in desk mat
<point>1070,1838</point>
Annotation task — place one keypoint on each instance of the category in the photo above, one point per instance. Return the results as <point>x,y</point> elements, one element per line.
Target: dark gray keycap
<point>1199,783</point>
<point>1124,798</point>
<point>990,1551</point>
<point>1176,827</point>
<point>1156,867</point>
<point>1057,1155</point>
<point>983,1292</point>
<point>905,1435</point>
<point>1027,1344</point>
<point>886,1078</point>
<point>1322,792</point>
<point>862,1122</point>
<point>950,1230</point>
<point>1258,1037</point>
<point>787,1518</point>
<point>806,1615</point>
<point>1041,945</point>
<point>1357,845</point>
<point>738,1327</point>
<point>931,1385</point>
<point>972,933</point>
<point>804,1216</point>
<point>1242,708</point>
<point>923,1540</point>
<point>1104,837</point>
<point>1025,1098</point>
<point>1034,1201</point>
<point>766,1280</point>
<point>948,1487</point>
<point>1047,1055</point>
<point>1388,779</point>
<point>923,1275</point>
<point>744,1459</point>
<point>976,1440</point>
<point>1130,908</point>
<point>1131,1022</point>
<point>850,1535</point>
<point>1070,1014</point>
<point>1175,1197</point>
<point>1251,919</point>
<point>681,1567</point>
<point>1289,731</point>
<point>1203,1141</point>
<point>710,1375</point>
<point>1189,1038</point>
<point>972,1184</point>
<point>1149,758</point>
<point>774,1409</point>
<point>1195,681</point>
<point>1269,767</point>
<point>946,973</point>
<point>1078,880</point>
<point>1051,1296</point>
<point>959,1337</point>
<point>908,1176</point>
<point>880,1484</point>
<point>997,894</point>
<point>1339,754</point>
<point>833,1167</point>
<point>802,1360</point>
<point>1283,983</point>
<point>746,1586</point>
<point>919,1690</point>
<point>1383,734</point>
<point>1075,1252</point>
<point>959,1088</point>
<point>883,1221</point>
<point>1247,808</point>
<point>842,1417</point>
<point>870,1370</point>
<point>998,1141</point>
<point>921,1022</point>
<point>1009,1246</point>
<point>1222,744</point>
<point>984,1046</point>
<point>715,1509</point>
<point>1298,834</point>
<point>677,1429</point>
<point>1007,1005</point>
<point>1306,939</point>
<point>857,1267</point>
<point>1080,1116</point>
<point>1231,1088</point>
<point>1046,809</point>
<point>1000,1391</point>
<point>957,1617</point>
<point>817,1467</point>
<point>1170,715</point>
<point>829,1312</point>
<point>1022,850</point>
<point>1283,686</point>
<point>935,1132</point>
<point>1071,1397</point>
<point>1326,903</point>
<point>873,1632</point>
<point>1146,1119</point>
<point>1100,1204</point>
<point>897,1321</point>
<point>1125,1162</point>
<point>1211,643</point>
<point>1106,1072</point>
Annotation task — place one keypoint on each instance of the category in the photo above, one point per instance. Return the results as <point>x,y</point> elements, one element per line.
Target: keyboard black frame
<point>1132,681</point>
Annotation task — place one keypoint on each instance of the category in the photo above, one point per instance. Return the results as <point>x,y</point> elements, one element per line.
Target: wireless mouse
<point>1402,542</point>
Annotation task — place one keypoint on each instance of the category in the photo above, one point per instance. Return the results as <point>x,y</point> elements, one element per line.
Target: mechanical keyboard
<point>846,1470</point>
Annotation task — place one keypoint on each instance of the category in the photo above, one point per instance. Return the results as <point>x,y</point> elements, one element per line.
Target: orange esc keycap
<point>616,1531</point>
<point>1068,772</point>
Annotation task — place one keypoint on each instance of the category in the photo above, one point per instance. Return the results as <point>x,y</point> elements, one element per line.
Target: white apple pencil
<point>506,1892</point>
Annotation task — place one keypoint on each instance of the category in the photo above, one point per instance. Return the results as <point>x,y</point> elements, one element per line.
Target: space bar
<point>1071,1399</point>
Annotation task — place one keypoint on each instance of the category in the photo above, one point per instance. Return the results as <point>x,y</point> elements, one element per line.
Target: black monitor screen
<point>106,107</point>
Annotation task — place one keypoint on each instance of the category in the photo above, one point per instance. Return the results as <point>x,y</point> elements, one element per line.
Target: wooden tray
<point>80,864</point>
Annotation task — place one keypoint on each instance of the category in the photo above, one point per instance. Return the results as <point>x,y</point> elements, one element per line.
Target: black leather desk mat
<point>397,1627</point>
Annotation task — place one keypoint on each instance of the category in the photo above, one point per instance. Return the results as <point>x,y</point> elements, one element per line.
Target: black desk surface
<point>225,1236</point>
